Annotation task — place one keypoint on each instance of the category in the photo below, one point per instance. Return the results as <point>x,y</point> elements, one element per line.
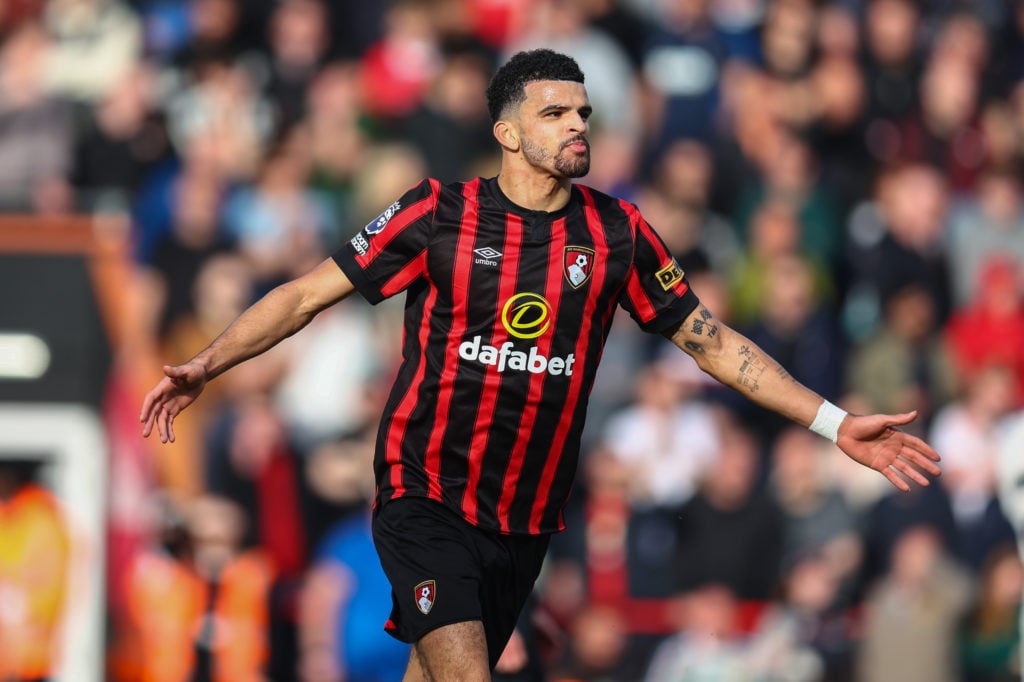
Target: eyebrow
<point>585,110</point>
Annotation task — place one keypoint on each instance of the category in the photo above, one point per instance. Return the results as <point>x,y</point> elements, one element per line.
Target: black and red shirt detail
<point>507,311</point>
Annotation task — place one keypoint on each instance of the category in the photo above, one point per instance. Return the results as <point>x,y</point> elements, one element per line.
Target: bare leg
<point>415,672</point>
<point>454,653</point>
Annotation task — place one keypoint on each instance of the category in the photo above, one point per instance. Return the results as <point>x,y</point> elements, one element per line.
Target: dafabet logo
<point>525,316</point>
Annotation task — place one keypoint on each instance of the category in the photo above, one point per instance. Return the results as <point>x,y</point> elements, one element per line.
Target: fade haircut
<point>507,88</point>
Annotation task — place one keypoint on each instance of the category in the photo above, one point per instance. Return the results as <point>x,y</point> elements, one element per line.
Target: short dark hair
<point>507,87</point>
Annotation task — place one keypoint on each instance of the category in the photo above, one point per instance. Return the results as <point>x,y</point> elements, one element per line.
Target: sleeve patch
<point>378,223</point>
<point>670,275</point>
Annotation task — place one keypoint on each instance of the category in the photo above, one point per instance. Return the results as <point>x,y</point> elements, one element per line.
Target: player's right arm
<point>279,314</point>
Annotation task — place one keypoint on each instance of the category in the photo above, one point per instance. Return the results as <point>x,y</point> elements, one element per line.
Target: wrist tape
<point>826,422</point>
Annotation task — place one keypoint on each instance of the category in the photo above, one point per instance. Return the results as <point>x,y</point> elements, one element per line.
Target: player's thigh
<point>453,653</point>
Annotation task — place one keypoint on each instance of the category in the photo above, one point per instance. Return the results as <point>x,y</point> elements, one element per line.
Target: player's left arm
<point>872,440</point>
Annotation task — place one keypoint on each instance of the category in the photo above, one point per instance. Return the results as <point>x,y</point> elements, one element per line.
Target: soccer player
<point>511,283</point>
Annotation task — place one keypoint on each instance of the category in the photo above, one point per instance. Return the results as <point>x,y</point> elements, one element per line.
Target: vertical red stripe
<point>552,293</point>
<point>461,273</point>
<point>596,228</point>
<point>492,381</point>
<point>400,419</point>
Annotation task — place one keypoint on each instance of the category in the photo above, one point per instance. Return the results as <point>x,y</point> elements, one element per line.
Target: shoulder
<point>609,206</point>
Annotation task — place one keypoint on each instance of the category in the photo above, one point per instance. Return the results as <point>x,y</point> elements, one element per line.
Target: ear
<point>507,136</point>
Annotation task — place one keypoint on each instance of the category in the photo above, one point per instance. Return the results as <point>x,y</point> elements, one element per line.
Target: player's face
<point>553,124</point>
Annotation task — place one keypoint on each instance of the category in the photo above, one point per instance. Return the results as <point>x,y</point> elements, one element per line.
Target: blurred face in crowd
<point>551,128</point>
<point>891,30</point>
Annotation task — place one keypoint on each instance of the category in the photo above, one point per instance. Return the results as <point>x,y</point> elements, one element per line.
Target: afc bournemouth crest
<point>577,264</point>
<point>426,593</point>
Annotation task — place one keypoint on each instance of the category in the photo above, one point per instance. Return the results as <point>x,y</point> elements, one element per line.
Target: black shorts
<point>443,570</point>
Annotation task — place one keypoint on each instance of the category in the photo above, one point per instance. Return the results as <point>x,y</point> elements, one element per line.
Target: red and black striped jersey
<point>507,311</point>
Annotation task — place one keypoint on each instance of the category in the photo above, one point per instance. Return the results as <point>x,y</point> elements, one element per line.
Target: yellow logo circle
<point>526,316</point>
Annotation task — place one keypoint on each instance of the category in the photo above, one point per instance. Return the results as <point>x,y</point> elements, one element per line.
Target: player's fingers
<point>147,406</point>
<point>890,473</point>
<point>910,472</point>
<point>162,420</point>
<point>147,426</point>
<point>901,419</point>
<point>921,461</point>
<point>170,424</point>
<point>921,447</point>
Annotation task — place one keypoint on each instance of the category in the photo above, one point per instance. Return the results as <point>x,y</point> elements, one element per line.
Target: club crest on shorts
<point>577,264</point>
<point>425,594</point>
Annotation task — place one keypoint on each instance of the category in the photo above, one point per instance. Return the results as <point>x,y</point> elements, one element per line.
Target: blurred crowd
<point>840,180</point>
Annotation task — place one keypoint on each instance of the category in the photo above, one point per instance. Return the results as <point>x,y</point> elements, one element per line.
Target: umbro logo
<point>487,256</point>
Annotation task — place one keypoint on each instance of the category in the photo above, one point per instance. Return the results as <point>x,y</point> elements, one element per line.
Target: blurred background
<point>840,180</point>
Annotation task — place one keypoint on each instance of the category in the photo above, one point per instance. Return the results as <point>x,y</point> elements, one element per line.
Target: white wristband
<point>826,422</point>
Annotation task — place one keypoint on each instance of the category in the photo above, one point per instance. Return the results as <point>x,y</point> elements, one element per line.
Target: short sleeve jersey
<point>507,311</point>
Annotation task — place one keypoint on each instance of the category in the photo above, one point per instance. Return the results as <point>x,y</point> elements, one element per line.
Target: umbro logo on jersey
<point>487,256</point>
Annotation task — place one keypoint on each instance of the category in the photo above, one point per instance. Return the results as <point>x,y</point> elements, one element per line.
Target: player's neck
<point>533,190</point>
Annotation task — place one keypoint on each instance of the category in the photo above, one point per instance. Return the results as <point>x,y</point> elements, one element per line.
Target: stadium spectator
<point>683,60</point>
<point>95,44</point>
<point>212,35</point>
<point>678,197</point>
<point>281,225</point>
<point>774,237</point>
<point>1010,476</point>
<point>800,331</point>
<point>36,137</point>
<point>345,594</point>
<point>892,60</point>
<point>397,69</point>
<point>668,437</point>
<point>819,525</point>
<point>967,432</point>
<point>451,128</point>
<point>906,362</point>
<point>985,226</point>
<point>990,329</point>
<point>917,606</point>
<point>298,47</point>
<point>990,637</point>
<point>731,532</point>
<point>900,236</point>
<point>121,141</point>
<point>35,568</point>
<point>197,234</point>
<point>199,603</point>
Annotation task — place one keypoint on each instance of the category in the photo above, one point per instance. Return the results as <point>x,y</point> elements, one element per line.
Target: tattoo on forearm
<point>784,374</point>
<point>704,324</point>
<point>751,369</point>
<point>694,347</point>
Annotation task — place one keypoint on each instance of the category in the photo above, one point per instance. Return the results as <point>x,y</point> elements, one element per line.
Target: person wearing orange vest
<point>203,615</point>
<point>35,549</point>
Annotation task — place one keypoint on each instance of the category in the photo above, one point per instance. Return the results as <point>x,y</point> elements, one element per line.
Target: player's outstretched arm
<point>282,312</point>
<point>875,441</point>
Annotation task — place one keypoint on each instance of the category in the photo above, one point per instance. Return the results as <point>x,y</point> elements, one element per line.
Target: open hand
<point>876,442</point>
<point>176,391</point>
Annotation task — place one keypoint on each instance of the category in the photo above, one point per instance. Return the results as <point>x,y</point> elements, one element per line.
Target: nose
<point>577,123</point>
